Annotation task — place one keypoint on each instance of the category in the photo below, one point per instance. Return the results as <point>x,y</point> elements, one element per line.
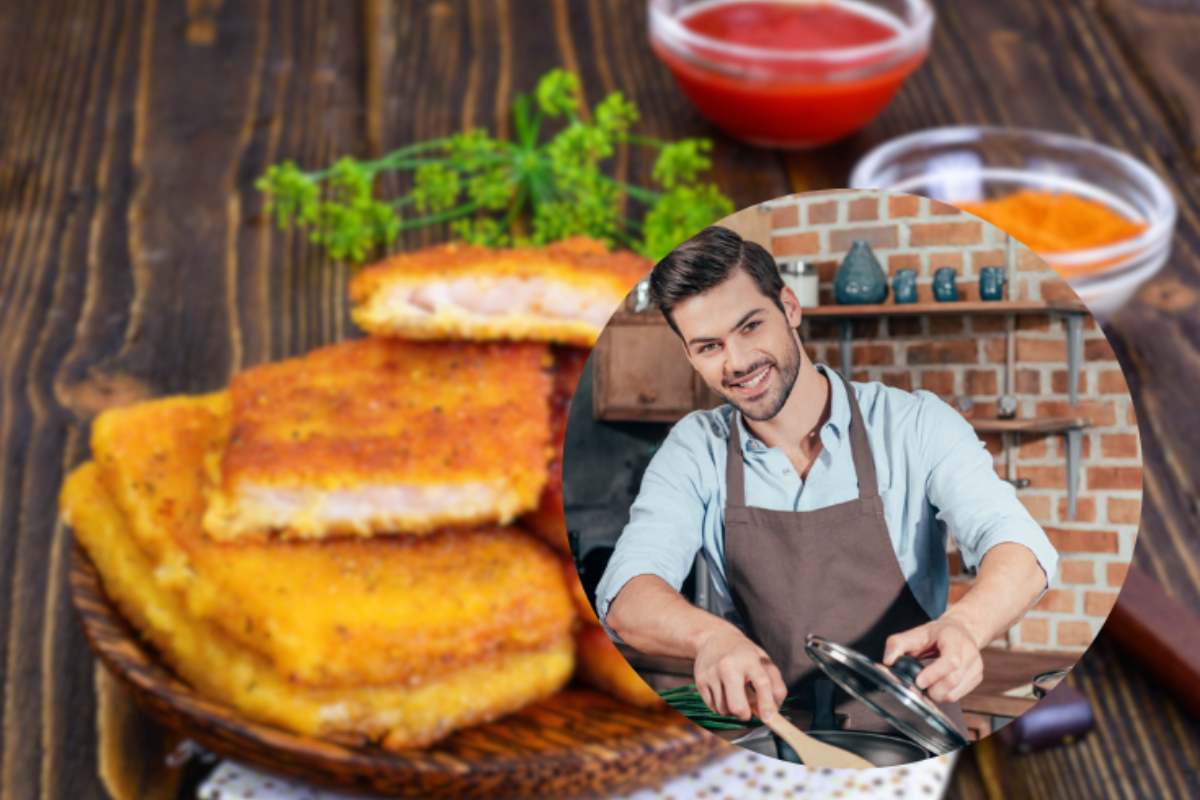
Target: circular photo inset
<point>851,480</point>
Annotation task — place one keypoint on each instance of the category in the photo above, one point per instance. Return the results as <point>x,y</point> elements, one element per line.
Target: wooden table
<point>135,261</point>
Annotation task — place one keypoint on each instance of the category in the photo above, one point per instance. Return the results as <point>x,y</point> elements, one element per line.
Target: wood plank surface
<point>135,261</point>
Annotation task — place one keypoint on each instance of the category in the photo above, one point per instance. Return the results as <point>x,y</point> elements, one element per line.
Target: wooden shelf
<point>960,307</point>
<point>1043,425</point>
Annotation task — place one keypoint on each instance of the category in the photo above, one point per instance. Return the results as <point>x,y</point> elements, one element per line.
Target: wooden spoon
<point>812,752</point>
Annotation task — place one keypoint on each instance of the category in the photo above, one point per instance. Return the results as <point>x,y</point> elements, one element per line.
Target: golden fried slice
<point>548,520</point>
<point>563,292</point>
<point>599,664</point>
<point>381,435</point>
<point>367,611</point>
<point>218,667</point>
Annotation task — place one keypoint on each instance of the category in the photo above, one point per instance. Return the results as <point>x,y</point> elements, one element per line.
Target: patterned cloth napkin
<point>741,775</point>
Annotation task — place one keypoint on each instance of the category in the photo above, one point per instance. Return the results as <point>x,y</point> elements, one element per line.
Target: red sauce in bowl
<point>788,74</point>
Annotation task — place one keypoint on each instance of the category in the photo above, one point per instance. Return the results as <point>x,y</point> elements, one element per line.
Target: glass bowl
<point>792,96</point>
<point>971,163</point>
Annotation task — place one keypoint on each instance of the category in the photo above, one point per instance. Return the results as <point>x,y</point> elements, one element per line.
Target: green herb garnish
<point>495,192</point>
<point>687,701</point>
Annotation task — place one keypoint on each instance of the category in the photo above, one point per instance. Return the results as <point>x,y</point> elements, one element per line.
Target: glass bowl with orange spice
<point>1101,218</point>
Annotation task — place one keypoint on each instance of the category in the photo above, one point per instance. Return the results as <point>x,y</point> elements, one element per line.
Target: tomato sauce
<point>765,98</point>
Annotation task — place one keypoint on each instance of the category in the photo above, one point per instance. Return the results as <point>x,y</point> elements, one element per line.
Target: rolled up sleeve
<point>980,509</point>
<point>665,529</point>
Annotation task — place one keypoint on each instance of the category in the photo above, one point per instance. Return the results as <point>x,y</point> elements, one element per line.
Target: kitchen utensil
<point>815,752</point>
<point>1162,633</point>
<point>970,163</point>
<point>890,691</point>
<point>880,749</point>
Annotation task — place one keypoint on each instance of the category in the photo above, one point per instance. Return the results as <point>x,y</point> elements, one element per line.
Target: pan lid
<point>889,691</point>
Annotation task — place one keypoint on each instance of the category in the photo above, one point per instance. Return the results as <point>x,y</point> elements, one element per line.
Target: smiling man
<point>820,505</point>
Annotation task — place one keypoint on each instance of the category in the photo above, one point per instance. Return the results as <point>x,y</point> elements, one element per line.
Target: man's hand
<point>726,661</point>
<point>958,667</point>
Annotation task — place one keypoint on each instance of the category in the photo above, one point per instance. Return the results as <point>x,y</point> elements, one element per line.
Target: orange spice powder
<point>1049,222</point>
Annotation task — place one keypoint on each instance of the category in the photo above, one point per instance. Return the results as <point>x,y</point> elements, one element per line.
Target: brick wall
<point>964,357</point>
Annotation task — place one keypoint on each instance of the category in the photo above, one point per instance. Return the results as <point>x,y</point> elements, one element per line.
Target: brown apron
<point>831,571</point>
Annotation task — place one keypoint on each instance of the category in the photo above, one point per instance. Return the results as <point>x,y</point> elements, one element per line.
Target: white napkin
<point>741,775</point>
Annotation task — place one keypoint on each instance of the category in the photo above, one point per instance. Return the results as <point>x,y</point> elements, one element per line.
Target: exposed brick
<point>994,349</point>
<point>865,328</point>
<point>905,326</point>
<point>1124,512</point>
<point>982,381</point>
<point>823,213</point>
<point>1029,261</point>
<point>1076,571</point>
<point>1054,477</point>
<point>944,209</point>
<point>1115,573</point>
<point>958,589</point>
<point>1098,604</point>
<point>796,244</point>
<point>1040,350</point>
<point>1031,448</point>
<point>1038,505</point>
<point>932,234</point>
<point>982,409</point>
<point>826,270</point>
<point>945,325</point>
<point>787,216</point>
<point>952,259</point>
<point>812,352</point>
<point>1114,478</point>
<point>1058,382</point>
<point>874,354</point>
<point>901,379</point>
<point>905,205</point>
<point>1027,381</point>
<point>1101,414</point>
<point>1085,509</point>
<point>1098,350</point>
<point>864,209</point>
<point>938,381</point>
<point>860,375</point>
<point>1112,381</point>
<point>881,236</point>
<point>1131,415</point>
<point>994,443</point>
<point>899,261</point>
<point>1066,540</point>
<point>987,258</point>
<point>1074,634</point>
<point>944,351</point>
<point>988,324</point>
<point>1119,445</point>
<point>1035,631</point>
<point>1033,322</point>
<point>1058,600</point>
<point>1058,290</point>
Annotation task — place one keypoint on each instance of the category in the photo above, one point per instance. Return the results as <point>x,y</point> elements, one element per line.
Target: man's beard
<point>767,407</point>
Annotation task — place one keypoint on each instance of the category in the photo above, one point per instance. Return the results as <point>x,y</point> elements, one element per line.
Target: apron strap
<point>735,470</point>
<point>864,462</point>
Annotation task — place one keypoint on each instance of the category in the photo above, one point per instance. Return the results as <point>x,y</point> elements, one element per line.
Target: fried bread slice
<point>379,610</point>
<point>203,654</point>
<point>563,292</point>
<point>380,435</point>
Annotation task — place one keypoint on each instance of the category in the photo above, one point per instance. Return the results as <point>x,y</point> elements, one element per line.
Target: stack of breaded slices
<point>328,545</point>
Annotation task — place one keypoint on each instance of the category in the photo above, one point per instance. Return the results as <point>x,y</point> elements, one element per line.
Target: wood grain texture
<point>575,743</point>
<point>135,261</point>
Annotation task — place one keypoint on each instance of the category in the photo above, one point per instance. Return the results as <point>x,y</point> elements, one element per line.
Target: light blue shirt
<point>934,474</point>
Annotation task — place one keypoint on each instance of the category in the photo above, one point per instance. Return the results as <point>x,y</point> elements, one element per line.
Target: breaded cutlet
<point>378,610</point>
<point>563,292</point>
<point>397,715</point>
<point>383,435</point>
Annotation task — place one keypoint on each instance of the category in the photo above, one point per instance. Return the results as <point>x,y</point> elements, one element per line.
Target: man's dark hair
<point>707,260</point>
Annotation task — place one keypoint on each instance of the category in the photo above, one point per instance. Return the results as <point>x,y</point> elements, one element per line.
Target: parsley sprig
<point>536,188</point>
